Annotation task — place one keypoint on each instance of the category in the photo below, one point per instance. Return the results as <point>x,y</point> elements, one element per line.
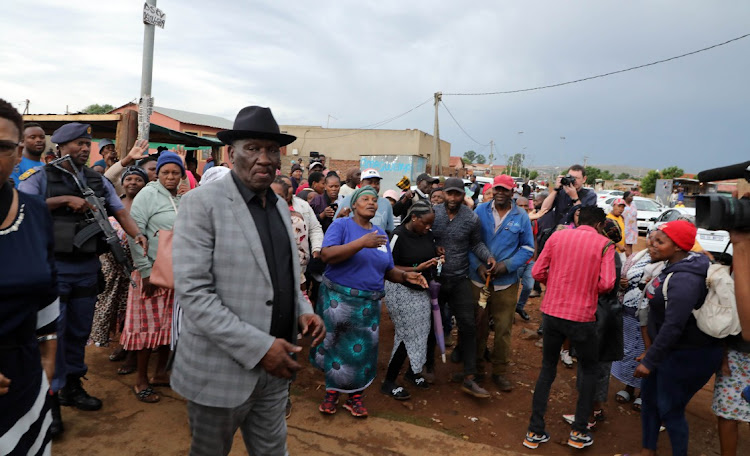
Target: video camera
<point>714,212</point>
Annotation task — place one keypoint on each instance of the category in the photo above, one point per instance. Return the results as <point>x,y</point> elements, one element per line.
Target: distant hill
<point>614,169</point>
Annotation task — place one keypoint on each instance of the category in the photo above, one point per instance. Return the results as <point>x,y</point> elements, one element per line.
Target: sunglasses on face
<point>8,146</point>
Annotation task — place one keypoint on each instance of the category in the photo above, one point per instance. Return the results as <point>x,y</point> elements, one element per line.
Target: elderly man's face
<point>255,162</point>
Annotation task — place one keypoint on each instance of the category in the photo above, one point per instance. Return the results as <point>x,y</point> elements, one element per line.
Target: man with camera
<point>567,193</point>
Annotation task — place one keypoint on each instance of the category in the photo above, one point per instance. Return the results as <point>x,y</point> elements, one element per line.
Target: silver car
<point>715,242</point>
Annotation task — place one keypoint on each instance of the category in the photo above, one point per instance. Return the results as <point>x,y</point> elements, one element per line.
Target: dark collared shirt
<point>278,252</point>
<point>319,204</point>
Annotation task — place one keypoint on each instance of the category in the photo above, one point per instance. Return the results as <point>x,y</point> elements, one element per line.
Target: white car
<point>603,195</point>
<point>713,241</point>
<point>647,209</point>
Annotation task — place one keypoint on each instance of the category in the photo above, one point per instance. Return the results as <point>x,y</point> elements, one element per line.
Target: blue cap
<point>169,157</point>
<point>104,143</point>
<point>101,163</point>
<point>71,131</point>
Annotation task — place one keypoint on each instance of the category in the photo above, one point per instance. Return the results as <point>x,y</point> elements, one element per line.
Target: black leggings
<point>394,366</point>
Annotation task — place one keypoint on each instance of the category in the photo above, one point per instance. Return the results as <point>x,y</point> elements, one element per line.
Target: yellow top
<point>621,223</point>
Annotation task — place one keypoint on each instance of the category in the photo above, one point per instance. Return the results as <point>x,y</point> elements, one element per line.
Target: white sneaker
<point>566,358</point>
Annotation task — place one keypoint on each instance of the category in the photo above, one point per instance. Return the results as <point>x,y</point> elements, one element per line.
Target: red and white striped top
<point>575,272</point>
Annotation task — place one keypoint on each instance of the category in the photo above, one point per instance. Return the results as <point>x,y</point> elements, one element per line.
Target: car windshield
<point>646,205</point>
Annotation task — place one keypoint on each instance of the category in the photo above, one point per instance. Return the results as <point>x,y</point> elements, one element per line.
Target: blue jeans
<point>527,284</point>
<point>668,389</point>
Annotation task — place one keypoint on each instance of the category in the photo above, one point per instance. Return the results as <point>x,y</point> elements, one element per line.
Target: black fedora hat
<point>257,123</point>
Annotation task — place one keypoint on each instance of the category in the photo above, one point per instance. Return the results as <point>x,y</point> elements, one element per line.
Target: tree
<point>606,175</point>
<point>671,172</point>
<point>648,182</point>
<point>481,160</point>
<point>623,176</point>
<point>469,157</point>
<point>533,175</point>
<point>98,109</point>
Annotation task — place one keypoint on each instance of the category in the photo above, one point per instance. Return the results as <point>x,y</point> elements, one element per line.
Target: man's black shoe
<point>502,383</point>
<point>74,395</point>
<point>540,331</point>
<point>456,356</point>
<point>523,314</point>
<point>56,427</point>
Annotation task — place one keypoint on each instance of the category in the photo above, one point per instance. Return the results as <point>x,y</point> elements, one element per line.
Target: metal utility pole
<point>436,138</point>
<point>492,152</point>
<point>328,121</point>
<point>152,16</point>
<point>26,109</point>
<point>585,160</point>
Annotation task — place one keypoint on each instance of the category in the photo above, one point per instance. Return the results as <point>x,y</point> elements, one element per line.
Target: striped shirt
<point>575,272</point>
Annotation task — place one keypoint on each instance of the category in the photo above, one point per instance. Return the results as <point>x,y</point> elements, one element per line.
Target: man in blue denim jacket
<point>507,232</point>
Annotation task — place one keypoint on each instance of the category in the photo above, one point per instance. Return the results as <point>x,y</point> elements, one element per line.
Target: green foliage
<point>98,109</point>
<point>469,157</point>
<point>533,175</point>
<point>671,172</point>
<point>481,159</point>
<point>592,174</point>
<point>648,182</point>
<point>623,176</point>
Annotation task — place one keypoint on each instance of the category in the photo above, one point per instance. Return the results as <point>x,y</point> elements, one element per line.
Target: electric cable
<point>505,92</point>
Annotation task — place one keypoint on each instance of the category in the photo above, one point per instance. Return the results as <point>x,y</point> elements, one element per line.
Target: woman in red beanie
<point>681,358</point>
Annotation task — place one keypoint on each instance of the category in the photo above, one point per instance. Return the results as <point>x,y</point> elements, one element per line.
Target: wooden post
<point>127,132</point>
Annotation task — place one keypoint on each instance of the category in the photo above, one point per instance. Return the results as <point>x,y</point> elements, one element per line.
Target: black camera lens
<point>714,212</point>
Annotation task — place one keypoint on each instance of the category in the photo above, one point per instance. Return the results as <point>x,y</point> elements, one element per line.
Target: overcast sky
<point>369,60</point>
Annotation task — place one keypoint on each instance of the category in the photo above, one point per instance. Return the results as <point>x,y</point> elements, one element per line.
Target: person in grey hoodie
<point>681,358</point>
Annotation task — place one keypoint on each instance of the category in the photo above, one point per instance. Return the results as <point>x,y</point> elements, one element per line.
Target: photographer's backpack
<point>717,316</point>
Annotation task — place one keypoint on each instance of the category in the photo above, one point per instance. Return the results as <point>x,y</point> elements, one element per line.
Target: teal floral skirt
<point>349,354</point>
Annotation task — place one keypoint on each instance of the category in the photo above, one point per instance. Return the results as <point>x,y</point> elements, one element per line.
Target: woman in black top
<point>413,247</point>
<point>29,305</point>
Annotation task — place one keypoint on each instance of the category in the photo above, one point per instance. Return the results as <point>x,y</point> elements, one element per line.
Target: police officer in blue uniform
<point>77,267</point>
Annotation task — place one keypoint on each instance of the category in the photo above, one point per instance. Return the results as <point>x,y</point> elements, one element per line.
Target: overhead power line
<point>459,125</point>
<point>375,125</point>
<point>605,74</point>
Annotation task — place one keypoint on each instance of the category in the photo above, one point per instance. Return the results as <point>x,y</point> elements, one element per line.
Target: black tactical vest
<point>67,222</point>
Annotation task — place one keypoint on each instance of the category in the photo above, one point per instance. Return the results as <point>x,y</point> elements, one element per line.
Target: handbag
<point>609,330</point>
<point>162,274</point>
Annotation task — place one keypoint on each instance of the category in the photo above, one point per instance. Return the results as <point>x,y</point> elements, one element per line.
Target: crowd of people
<point>233,269</point>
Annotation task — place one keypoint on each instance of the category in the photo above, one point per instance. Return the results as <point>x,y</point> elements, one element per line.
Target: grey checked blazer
<point>224,287</point>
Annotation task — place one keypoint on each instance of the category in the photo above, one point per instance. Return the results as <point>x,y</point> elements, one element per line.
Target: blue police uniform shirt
<point>25,165</point>
<point>36,184</point>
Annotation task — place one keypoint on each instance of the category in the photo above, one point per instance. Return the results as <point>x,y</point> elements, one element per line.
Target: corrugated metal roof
<point>195,118</point>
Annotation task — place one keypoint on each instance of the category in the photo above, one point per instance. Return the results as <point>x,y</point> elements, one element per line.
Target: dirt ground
<point>440,420</point>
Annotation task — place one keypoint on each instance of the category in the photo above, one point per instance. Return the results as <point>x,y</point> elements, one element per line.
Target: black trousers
<point>455,292</point>
<point>583,339</point>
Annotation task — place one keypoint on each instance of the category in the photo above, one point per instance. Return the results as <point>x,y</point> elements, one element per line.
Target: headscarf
<point>134,171</point>
<point>611,230</point>
<point>681,232</point>
<point>213,173</point>
<point>366,190</point>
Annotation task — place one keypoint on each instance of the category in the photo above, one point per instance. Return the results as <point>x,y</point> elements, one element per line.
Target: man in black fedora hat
<point>237,280</point>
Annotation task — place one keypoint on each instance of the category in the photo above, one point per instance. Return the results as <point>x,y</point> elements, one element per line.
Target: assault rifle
<point>97,218</point>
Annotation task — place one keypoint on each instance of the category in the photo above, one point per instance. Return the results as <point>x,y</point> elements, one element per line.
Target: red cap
<point>486,187</point>
<point>681,232</point>
<point>619,202</point>
<point>504,181</point>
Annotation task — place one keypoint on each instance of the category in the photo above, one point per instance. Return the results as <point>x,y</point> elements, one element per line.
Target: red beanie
<point>681,232</point>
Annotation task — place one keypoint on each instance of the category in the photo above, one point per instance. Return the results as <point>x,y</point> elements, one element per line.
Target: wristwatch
<point>576,200</point>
